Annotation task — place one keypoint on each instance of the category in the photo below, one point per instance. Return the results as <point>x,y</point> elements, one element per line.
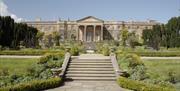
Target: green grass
<point>160,69</point>
<point>16,65</point>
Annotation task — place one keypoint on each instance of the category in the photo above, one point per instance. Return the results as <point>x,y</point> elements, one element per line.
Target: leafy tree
<point>39,38</point>
<point>124,36</point>
<point>12,33</point>
<point>56,37</point>
<point>133,40</point>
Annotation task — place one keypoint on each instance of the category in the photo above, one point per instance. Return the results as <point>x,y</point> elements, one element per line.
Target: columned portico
<point>90,29</point>
<point>90,33</point>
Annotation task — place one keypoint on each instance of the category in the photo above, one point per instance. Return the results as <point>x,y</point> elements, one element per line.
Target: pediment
<point>90,19</point>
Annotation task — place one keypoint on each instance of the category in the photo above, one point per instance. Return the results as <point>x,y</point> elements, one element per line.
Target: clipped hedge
<point>156,54</point>
<point>33,52</point>
<point>140,86</point>
<point>35,85</point>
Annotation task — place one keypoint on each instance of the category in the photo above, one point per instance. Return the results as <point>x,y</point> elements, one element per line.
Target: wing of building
<point>91,28</point>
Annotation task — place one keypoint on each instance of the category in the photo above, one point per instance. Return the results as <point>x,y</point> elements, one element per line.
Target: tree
<point>56,37</point>
<point>12,33</point>
<point>124,36</point>
<point>39,38</point>
<point>48,40</point>
<point>133,40</point>
<point>173,32</point>
<point>153,37</point>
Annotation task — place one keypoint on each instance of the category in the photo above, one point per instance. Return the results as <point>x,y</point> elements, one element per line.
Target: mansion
<point>90,28</point>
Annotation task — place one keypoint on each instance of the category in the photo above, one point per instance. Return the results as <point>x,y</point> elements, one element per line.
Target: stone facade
<point>91,28</point>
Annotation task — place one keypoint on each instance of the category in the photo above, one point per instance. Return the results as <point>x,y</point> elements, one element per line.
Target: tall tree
<point>56,37</point>
<point>124,36</point>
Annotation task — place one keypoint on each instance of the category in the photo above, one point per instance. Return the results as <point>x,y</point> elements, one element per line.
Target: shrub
<point>105,51</point>
<point>141,86</point>
<point>50,56</point>
<point>134,60</point>
<point>129,60</point>
<point>34,85</point>
<point>138,73</point>
<point>74,51</point>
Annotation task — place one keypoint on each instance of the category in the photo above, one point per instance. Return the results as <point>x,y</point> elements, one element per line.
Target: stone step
<point>90,72</point>
<point>90,75</point>
<point>92,78</point>
<point>90,61</point>
<point>90,66</point>
<point>90,69</point>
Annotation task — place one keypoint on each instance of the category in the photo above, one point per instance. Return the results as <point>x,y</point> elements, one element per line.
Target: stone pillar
<point>101,32</point>
<point>94,33</point>
<point>85,27</point>
<point>78,33</point>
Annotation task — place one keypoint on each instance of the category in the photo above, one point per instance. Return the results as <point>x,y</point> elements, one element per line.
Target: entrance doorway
<point>89,36</point>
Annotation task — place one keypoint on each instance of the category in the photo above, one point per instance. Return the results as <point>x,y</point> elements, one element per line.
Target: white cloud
<point>4,12</point>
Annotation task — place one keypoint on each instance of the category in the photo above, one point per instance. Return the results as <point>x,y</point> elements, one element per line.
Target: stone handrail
<point>65,64</point>
<point>115,64</point>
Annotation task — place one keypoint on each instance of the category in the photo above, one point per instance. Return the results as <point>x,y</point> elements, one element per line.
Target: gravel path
<point>160,58</point>
<point>17,56</point>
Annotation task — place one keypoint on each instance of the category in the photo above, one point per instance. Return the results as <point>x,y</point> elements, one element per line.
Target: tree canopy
<point>11,33</point>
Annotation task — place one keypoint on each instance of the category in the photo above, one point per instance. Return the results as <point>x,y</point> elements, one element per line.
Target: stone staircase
<point>90,69</point>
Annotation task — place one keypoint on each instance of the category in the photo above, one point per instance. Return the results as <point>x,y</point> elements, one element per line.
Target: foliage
<point>128,61</point>
<point>16,32</point>
<point>140,86</point>
<point>48,40</point>
<point>138,73</point>
<point>56,37</point>
<point>163,35</point>
<point>37,71</point>
<point>133,40</point>
<point>153,37</point>
<point>74,51</point>
<point>34,85</point>
<point>132,64</point>
<point>39,38</point>
<point>105,51</point>
<point>124,36</point>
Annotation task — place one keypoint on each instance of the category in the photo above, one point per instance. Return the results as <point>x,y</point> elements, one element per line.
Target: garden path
<point>89,86</point>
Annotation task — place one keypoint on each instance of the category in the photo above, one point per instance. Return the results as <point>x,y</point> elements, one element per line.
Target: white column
<point>94,35</point>
<point>85,32</point>
<point>101,32</point>
<point>78,33</point>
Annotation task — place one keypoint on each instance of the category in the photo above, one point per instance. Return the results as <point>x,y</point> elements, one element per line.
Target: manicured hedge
<point>35,85</point>
<point>157,54</point>
<point>140,86</point>
<point>38,52</point>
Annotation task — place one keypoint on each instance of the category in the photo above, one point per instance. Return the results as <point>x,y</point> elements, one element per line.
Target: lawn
<point>164,69</point>
<point>16,65</point>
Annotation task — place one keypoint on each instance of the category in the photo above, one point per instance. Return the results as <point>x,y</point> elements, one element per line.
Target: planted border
<point>34,85</point>
<point>140,86</point>
<point>38,52</point>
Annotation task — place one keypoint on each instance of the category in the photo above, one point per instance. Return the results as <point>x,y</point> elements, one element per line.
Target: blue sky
<point>160,10</point>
